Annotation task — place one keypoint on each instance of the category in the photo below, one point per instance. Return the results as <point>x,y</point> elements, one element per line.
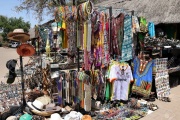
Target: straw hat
<point>18,35</point>
<point>11,118</point>
<point>86,117</point>
<point>25,50</point>
<point>39,103</point>
<point>55,116</point>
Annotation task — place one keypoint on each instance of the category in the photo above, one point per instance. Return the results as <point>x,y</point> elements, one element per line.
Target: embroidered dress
<point>127,42</point>
<point>122,77</point>
<point>143,81</point>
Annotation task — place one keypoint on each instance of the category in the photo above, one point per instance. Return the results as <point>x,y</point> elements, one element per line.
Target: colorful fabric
<point>143,81</point>
<point>127,42</point>
<point>143,25</point>
<point>135,22</point>
<point>120,23</point>
<point>151,29</point>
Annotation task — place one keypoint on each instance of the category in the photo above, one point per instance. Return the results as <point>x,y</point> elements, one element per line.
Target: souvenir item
<point>151,29</point>
<point>162,79</point>
<point>143,77</point>
<point>127,42</point>
<point>11,65</point>
<point>143,24</point>
<point>18,35</point>
<point>55,116</point>
<point>25,50</point>
<point>120,75</point>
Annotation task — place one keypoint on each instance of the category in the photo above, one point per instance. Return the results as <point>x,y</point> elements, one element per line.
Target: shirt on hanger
<point>122,75</point>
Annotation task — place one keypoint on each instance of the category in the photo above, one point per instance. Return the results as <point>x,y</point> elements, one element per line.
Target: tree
<point>9,24</point>
<point>42,8</point>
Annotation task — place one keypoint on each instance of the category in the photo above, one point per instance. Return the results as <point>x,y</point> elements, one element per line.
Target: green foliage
<point>9,24</point>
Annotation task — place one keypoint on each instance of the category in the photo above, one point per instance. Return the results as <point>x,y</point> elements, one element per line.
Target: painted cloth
<point>127,42</point>
<point>151,29</point>
<point>143,81</point>
<point>122,76</point>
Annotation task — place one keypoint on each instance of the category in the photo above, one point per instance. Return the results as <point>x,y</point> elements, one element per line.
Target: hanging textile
<point>143,76</point>
<point>122,75</point>
<point>135,23</point>
<point>151,29</point>
<point>120,30</point>
<point>127,42</point>
<point>71,34</point>
<point>143,25</point>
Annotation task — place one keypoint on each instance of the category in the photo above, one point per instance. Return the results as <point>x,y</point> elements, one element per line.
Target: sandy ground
<point>8,54</point>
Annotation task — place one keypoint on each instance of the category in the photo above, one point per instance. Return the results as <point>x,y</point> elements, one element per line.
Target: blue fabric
<point>151,29</point>
<point>127,41</point>
<point>147,73</point>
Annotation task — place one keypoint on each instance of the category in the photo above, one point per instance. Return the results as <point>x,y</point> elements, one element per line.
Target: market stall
<point>95,63</point>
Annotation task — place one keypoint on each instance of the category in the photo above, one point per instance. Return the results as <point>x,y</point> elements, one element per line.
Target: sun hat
<point>18,35</point>
<point>26,117</point>
<point>25,50</point>
<point>73,115</point>
<point>86,117</point>
<point>40,106</point>
<point>55,116</point>
<point>11,118</point>
<point>39,103</point>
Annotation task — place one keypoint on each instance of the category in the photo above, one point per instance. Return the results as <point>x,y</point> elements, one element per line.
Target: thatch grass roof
<point>157,11</point>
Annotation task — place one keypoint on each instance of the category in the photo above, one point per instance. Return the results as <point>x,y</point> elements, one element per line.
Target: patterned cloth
<point>120,30</point>
<point>143,81</point>
<point>127,43</point>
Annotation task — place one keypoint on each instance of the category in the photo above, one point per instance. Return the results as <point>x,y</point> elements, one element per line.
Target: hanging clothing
<point>135,23</point>
<point>143,25</point>
<point>120,23</point>
<point>151,29</point>
<point>122,75</point>
<point>143,80</point>
<point>127,42</point>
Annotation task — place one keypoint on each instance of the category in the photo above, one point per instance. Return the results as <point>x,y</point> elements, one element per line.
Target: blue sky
<point>7,8</point>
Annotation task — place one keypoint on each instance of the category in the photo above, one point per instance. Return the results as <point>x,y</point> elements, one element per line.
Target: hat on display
<point>73,115</point>
<point>11,65</point>
<point>11,118</point>
<point>26,117</point>
<point>86,117</point>
<point>18,35</point>
<point>55,116</point>
<point>25,50</point>
<point>40,106</point>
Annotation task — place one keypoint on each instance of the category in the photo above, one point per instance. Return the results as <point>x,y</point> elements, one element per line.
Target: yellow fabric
<point>85,36</point>
<point>48,50</point>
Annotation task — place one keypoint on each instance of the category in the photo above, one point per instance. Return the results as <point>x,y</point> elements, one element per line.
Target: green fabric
<point>107,95</point>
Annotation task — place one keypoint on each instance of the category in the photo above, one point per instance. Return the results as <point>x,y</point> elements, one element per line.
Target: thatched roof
<point>157,11</point>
